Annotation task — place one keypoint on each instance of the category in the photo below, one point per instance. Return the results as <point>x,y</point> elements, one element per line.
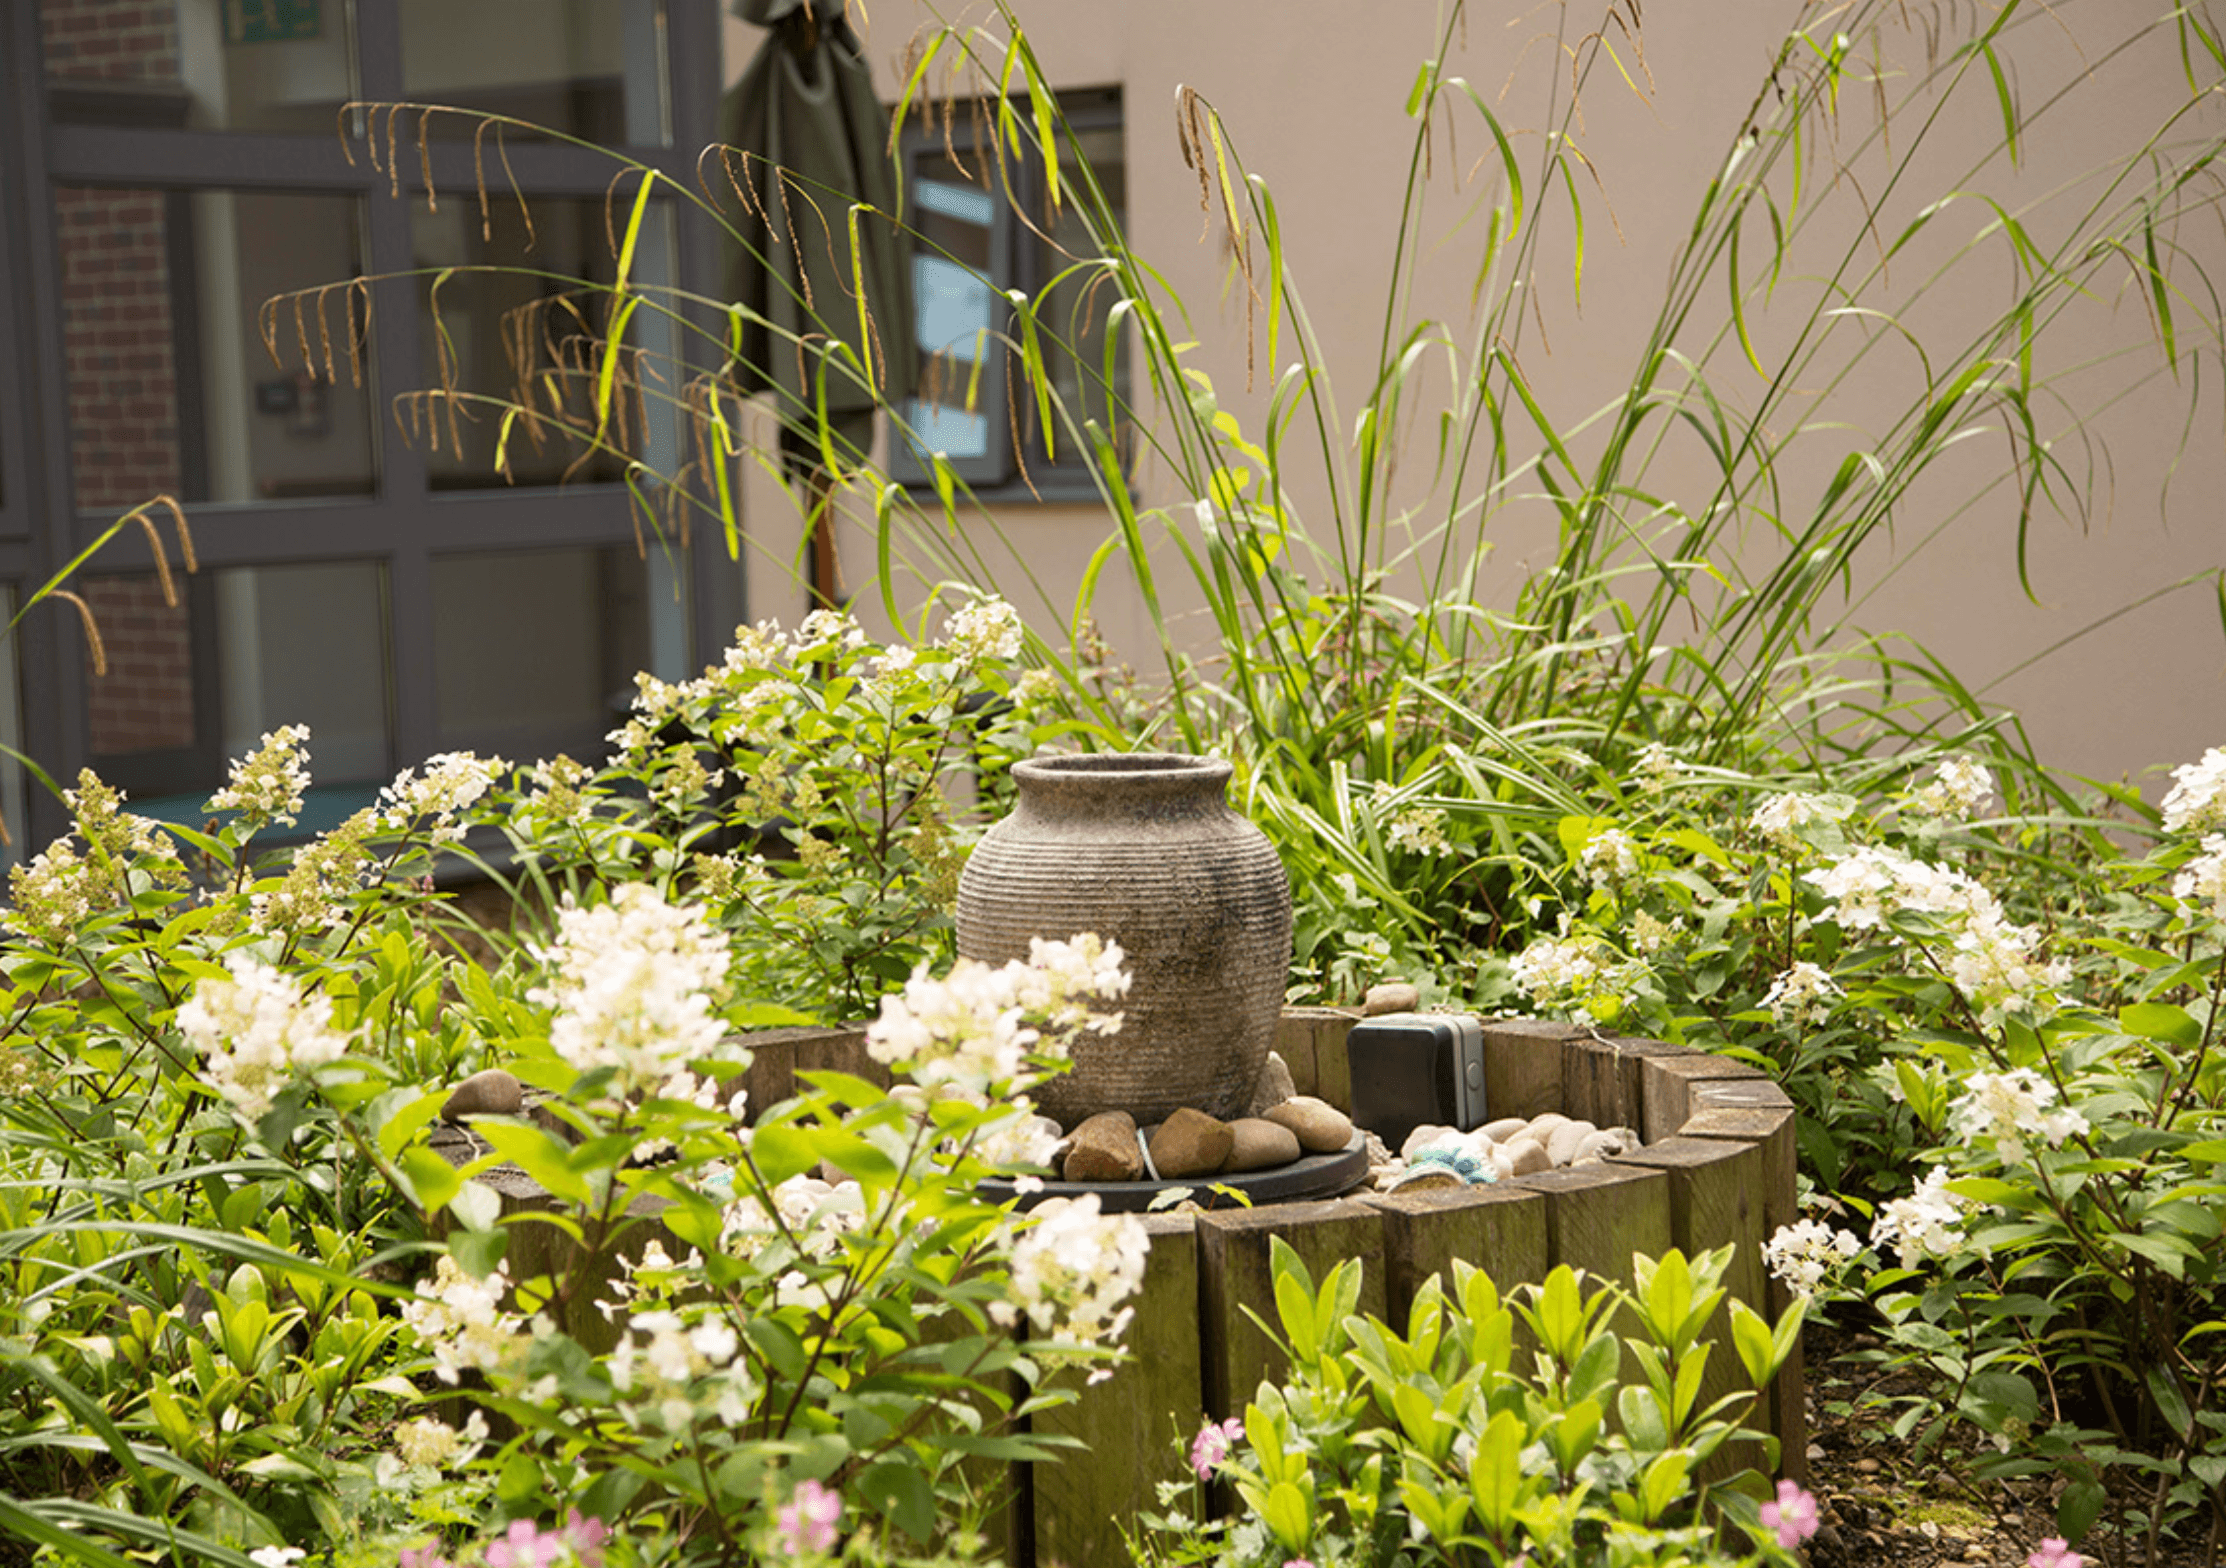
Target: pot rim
<point>1132,767</point>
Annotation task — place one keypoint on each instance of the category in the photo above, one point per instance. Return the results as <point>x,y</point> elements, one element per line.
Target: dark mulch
<point>1883,1504</point>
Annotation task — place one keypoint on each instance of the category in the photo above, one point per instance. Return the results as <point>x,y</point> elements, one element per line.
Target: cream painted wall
<point>1313,93</point>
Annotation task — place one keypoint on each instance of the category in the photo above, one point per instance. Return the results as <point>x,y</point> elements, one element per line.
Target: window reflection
<point>588,68</point>
<point>529,332</point>
<point>171,390</point>
<point>244,650</point>
<point>536,650</point>
<point>241,65</point>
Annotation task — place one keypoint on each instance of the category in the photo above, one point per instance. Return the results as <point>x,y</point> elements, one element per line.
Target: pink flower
<point>423,1557</point>
<point>586,1537</point>
<point>526,1545</point>
<point>807,1523</point>
<point>1298,1562</point>
<point>2055,1552</point>
<point>1211,1445</point>
<point>1792,1515</point>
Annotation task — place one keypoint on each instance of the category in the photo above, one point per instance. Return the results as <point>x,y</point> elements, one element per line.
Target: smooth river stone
<point>490,1093</point>
<point>1191,1143</point>
<point>1505,1128</point>
<point>1321,1127</point>
<point>1393,996</point>
<point>1104,1148</point>
<point>1527,1157</point>
<point>1567,1139</point>
<point>1261,1144</point>
<point>1542,1127</point>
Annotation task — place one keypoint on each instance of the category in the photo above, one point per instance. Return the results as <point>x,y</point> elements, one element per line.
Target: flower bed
<point>1717,1168</point>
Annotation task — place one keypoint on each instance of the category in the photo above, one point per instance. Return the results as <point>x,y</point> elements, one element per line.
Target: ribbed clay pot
<point>1142,849</point>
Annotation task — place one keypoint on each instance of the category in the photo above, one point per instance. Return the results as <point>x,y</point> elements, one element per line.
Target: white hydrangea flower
<point>2197,801</point>
<point>433,1444</point>
<point>978,1026</point>
<point>633,987</point>
<point>1993,966</point>
<point>1650,934</point>
<point>1926,1224</point>
<point>1609,856</point>
<point>461,1320</point>
<point>2008,1109</point>
<point>451,782</point>
<point>835,626</point>
<point>2203,880</point>
<point>268,786</point>
<point>1781,817</point>
<point>256,1030</point>
<point>51,897</point>
<point>1959,788</point>
<point>1550,970</point>
<point>1802,1254</point>
<point>1071,1270</point>
<point>1802,995</point>
<point>1419,830</point>
<point>1656,764</point>
<point>988,629</point>
<point>1870,884</point>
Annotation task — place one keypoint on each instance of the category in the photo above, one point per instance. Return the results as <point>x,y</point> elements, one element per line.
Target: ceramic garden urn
<point>1142,849</point>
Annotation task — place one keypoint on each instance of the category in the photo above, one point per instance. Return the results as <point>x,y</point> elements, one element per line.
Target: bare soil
<point>1886,1502</point>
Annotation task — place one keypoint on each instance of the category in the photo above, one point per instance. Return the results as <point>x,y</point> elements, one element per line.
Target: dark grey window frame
<point>406,524</point>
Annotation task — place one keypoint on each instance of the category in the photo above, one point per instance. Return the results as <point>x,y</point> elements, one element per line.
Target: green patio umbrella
<point>806,112</point>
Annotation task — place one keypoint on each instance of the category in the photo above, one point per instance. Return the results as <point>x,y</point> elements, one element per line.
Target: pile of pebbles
<point>1498,1151</point>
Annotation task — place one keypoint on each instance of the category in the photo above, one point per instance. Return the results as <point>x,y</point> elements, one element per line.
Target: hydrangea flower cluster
<point>51,897</point>
<point>1989,958</point>
<point>988,629</point>
<point>633,987</point>
<point>1609,857</point>
<point>1959,787</point>
<point>431,802</point>
<point>2009,1109</point>
<point>431,1443</point>
<point>1071,1270</point>
<point>256,1030</point>
<point>1780,818</point>
<point>978,1026</point>
<point>676,1368</point>
<point>2197,800</point>
<point>461,1320</point>
<point>1926,1224</point>
<point>268,785</point>
<point>1802,995</point>
<point>1581,973</point>
<point>2203,879</point>
<point>1419,830</point>
<point>310,897</point>
<point>1802,1255</point>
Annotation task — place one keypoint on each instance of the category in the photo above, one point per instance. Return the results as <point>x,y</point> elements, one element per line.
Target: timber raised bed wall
<point>1717,1167</point>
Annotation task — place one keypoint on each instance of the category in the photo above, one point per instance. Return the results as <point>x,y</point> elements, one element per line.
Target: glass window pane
<point>588,68</point>
<point>245,650</point>
<point>534,651</point>
<point>242,65</point>
<point>529,332</point>
<point>170,386</point>
<point>1076,306</point>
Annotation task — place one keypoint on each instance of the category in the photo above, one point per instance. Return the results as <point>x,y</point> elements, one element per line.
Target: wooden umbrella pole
<point>822,562</point>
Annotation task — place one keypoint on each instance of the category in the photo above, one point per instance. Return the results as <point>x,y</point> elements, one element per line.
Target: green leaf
<point>900,1491</point>
<point>1496,1472</point>
<point>2160,1021</point>
<point>1289,1516</point>
<point>432,1178</point>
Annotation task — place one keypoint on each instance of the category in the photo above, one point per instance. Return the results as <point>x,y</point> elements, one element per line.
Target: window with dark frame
<point>180,165</point>
<point>971,404</point>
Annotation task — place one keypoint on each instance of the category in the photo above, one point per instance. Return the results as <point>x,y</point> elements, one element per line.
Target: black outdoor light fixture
<point>1417,1069</point>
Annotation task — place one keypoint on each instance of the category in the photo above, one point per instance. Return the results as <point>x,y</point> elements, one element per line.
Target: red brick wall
<point>116,338</point>
<point>145,702</point>
<point>111,40</point>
